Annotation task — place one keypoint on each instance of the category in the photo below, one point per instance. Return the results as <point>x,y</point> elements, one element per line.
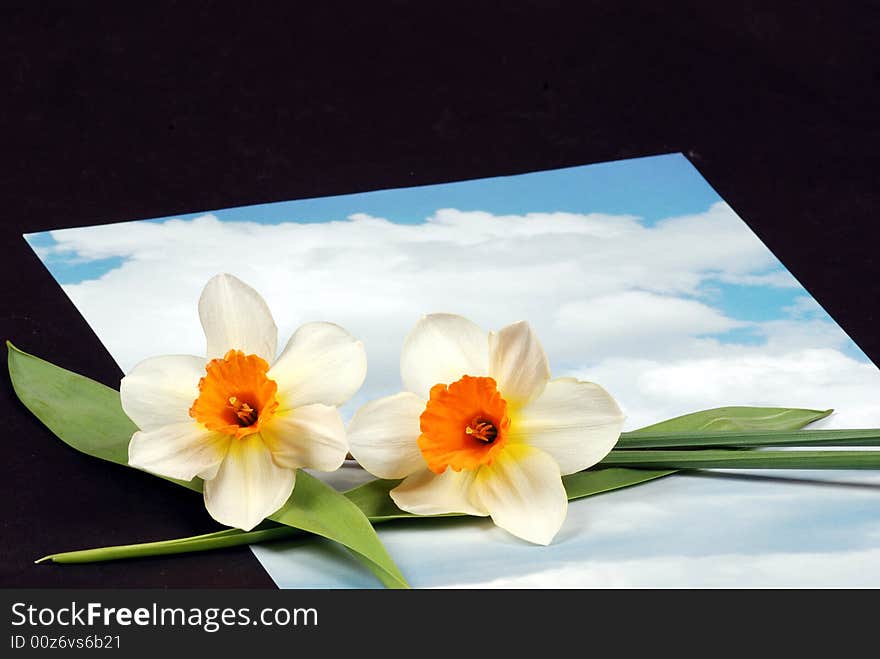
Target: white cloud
<point>619,323</point>
<point>774,570</point>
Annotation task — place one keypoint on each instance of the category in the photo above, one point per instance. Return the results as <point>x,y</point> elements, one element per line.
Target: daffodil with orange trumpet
<point>239,418</point>
<point>482,429</point>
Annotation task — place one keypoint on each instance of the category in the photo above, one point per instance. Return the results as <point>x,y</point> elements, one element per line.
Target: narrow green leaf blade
<point>205,542</point>
<point>587,483</point>
<point>735,418</point>
<point>88,416</point>
<point>718,419</point>
<point>734,459</point>
<point>751,438</point>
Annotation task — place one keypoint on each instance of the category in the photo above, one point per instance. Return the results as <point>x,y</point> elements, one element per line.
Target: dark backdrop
<point>135,110</point>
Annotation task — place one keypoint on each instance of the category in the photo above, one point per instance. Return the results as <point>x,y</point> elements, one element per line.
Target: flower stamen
<point>482,429</point>
<point>246,414</point>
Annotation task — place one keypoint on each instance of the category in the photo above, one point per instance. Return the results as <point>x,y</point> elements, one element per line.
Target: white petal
<point>440,349</point>
<point>522,490</point>
<point>426,493</point>
<point>384,435</point>
<point>518,363</point>
<point>181,450</point>
<point>160,390</point>
<point>234,316</point>
<point>311,436</point>
<point>577,423</point>
<point>322,363</point>
<point>249,486</point>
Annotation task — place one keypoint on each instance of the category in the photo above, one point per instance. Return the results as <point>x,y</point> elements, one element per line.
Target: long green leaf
<point>733,459</point>
<point>596,481</point>
<point>731,419</point>
<point>742,427</point>
<point>735,418</point>
<point>216,540</point>
<point>88,416</point>
<point>751,438</point>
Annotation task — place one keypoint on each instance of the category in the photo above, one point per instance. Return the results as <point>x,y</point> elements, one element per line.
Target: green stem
<point>217,540</point>
<point>733,459</point>
<point>749,438</point>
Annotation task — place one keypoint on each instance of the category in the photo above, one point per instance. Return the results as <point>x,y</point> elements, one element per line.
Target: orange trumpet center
<point>464,424</point>
<point>235,396</point>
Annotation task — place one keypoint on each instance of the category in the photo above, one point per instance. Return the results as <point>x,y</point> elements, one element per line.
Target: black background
<point>120,111</point>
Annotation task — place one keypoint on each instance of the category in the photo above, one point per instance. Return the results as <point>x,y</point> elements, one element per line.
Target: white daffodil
<point>482,429</point>
<point>240,419</point>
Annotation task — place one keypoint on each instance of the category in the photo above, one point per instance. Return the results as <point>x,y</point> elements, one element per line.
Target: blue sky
<point>653,188</point>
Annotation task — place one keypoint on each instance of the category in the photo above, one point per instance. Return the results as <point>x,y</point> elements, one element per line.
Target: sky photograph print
<point>635,274</point>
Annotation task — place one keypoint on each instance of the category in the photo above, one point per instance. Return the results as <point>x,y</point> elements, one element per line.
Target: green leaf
<point>776,419</point>
<point>734,418</point>
<point>733,459</point>
<point>374,500</point>
<point>88,416</point>
<point>317,508</point>
<point>216,540</point>
<point>587,483</point>
<point>82,413</point>
<point>751,438</point>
